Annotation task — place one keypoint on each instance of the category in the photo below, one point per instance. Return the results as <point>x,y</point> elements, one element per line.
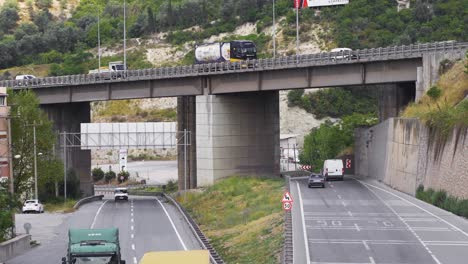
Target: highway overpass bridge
<point>232,109</point>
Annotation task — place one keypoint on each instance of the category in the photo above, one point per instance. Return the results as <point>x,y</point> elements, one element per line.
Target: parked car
<point>333,168</point>
<point>32,206</point>
<point>316,179</point>
<point>121,194</point>
<point>343,54</point>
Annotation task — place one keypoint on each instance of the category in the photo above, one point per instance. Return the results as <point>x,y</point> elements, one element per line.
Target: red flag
<point>301,3</point>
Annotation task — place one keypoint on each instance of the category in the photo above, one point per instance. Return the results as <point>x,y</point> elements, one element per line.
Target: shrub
<point>98,174</point>
<point>434,92</point>
<point>294,97</point>
<point>109,176</point>
<point>172,186</point>
<point>123,176</point>
<point>445,65</point>
<point>438,198</point>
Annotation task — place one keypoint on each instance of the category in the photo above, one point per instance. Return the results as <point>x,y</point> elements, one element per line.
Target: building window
<point>2,100</point>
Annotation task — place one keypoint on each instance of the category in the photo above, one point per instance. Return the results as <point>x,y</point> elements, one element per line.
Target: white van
<point>343,54</point>
<point>333,168</point>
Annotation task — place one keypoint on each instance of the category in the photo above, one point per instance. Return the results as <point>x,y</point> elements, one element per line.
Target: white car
<point>23,79</point>
<point>343,53</point>
<point>120,194</point>
<point>32,206</point>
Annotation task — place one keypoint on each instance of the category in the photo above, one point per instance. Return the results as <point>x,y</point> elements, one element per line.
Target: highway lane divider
<point>87,200</point>
<point>214,256</point>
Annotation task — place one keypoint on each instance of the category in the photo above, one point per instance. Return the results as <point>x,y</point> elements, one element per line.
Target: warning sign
<point>287,198</point>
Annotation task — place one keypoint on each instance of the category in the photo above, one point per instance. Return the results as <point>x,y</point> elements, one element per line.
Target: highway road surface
<point>354,221</point>
<point>145,224</point>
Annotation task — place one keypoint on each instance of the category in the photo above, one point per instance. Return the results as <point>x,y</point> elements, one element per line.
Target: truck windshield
<point>95,260</point>
<point>120,67</point>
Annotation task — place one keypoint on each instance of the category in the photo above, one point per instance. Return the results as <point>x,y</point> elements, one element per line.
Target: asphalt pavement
<point>145,224</point>
<point>354,221</point>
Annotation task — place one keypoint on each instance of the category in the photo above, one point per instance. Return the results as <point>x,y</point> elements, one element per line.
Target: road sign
<point>306,167</point>
<point>287,198</point>
<point>287,206</point>
<point>348,163</point>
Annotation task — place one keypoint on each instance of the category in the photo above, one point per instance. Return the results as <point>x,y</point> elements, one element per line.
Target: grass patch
<point>442,200</point>
<point>60,206</point>
<point>442,107</point>
<point>242,216</point>
<point>130,111</point>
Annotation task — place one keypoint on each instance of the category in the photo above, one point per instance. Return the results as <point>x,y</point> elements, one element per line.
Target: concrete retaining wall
<point>14,247</point>
<point>404,153</point>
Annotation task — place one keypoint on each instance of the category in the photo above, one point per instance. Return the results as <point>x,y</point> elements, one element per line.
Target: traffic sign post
<point>348,163</point>
<point>287,206</point>
<point>287,201</point>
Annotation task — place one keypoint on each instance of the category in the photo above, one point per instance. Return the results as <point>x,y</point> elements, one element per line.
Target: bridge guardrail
<point>324,58</point>
<point>87,200</point>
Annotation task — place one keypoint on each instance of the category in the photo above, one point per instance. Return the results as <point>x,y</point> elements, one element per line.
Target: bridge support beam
<point>393,98</point>
<point>68,117</point>
<point>237,134</point>
<point>187,164</point>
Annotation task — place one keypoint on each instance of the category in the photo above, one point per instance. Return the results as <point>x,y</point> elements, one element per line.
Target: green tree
<point>8,18</point>
<point>151,24</point>
<point>98,174</point>
<point>123,176</point>
<point>7,205</point>
<point>109,176</point>
<point>25,107</point>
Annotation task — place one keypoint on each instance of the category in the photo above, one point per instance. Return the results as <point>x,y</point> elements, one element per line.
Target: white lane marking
<point>339,197</point>
<point>131,227</point>
<point>132,236</point>
<point>135,260</point>
<point>334,190</point>
<point>404,222</point>
<point>417,206</point>
<point>133,246</point>
<point>372,261</point>
<point>366,245</point>
<point>131,214</point>
<point>331,185</point>
<point>357,227</point>
<point>303,223</point>
<point>131,220</point>
<point>173,226</point>
<point>342,202</point>
<point>350,214</point>
<point>97,213</point>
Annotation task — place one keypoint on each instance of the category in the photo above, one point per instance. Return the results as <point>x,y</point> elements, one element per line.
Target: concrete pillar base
<point>68,117</point>
<point>237,134</point>
<point>187,164</point>
<point>393,98</point>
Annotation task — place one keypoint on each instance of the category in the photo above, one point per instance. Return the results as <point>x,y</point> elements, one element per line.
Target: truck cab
<point>93,246</point>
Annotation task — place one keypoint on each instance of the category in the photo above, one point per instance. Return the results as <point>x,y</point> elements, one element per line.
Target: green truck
<point>93,246</point>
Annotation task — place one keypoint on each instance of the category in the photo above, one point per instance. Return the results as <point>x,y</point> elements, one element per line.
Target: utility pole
<point>99,40</point>
<point>35,162</point>
<point>274,30</point>
<point>297,28</point>
<point>125,36</point>
<point>65,165</point>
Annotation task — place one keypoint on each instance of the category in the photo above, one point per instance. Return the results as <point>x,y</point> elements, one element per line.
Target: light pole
<point>125,36</point>
<point>274,31</point>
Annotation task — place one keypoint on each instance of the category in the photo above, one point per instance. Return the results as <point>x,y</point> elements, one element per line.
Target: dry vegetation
<point>243,218</point>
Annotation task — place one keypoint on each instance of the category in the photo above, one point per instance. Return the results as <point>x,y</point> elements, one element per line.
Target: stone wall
<point>404,154</point>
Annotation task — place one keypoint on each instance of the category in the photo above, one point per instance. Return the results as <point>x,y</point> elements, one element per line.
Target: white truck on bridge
<point>115,70</point>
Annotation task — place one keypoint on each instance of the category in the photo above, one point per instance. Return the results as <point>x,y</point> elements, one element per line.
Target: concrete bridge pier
<point>187,164</point>
<point>237,134</point>
<point>68,117</point>
<point>393,98</point>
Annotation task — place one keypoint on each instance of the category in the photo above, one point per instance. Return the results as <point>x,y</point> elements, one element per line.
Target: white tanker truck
<point>237,50</point>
